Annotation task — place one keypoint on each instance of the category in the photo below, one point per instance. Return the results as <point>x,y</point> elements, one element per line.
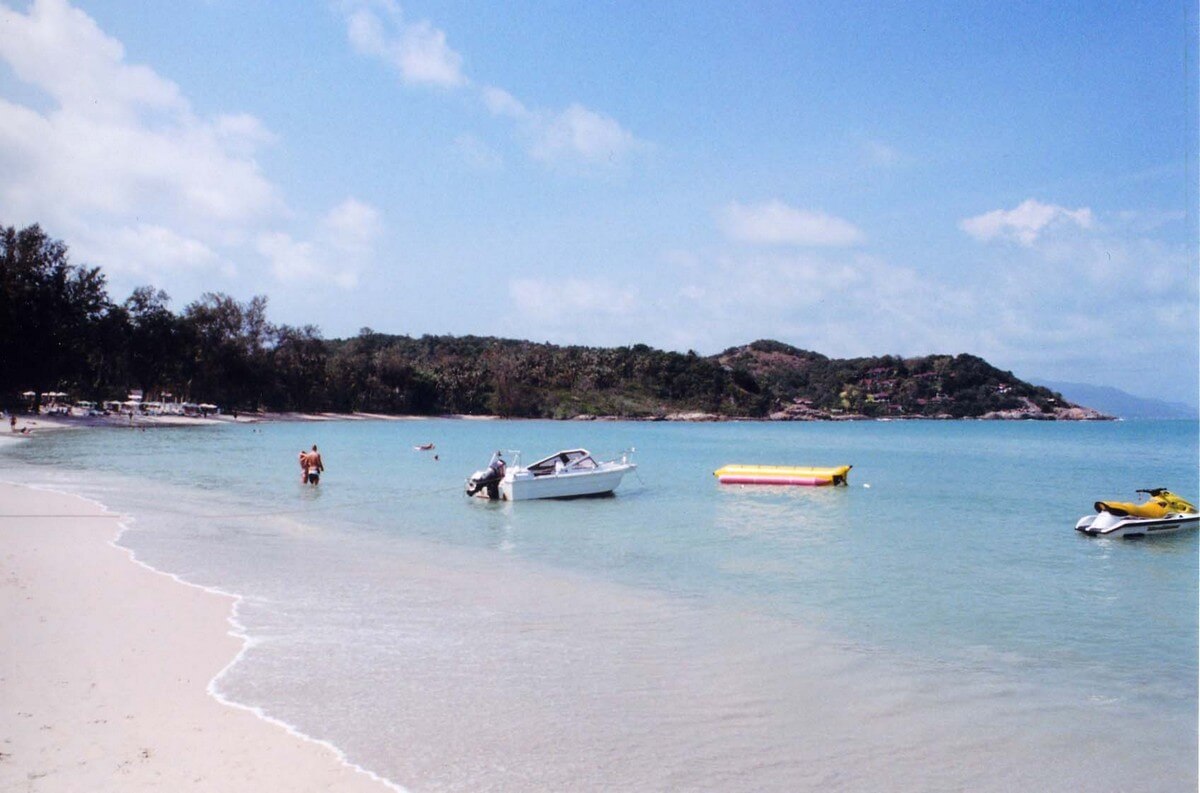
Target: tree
<point>299,362</point>
<point>229,343</point>
<point>155,339</point>
<point>49,312</point>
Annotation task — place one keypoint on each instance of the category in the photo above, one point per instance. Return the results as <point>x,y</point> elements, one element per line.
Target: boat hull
<point>782,475</point>
<point>1106,524</point>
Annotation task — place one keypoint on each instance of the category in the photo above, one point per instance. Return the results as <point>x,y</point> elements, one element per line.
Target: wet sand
<point>105,667</point>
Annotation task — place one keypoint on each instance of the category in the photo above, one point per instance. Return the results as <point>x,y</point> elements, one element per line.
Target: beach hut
<point>208,407</point>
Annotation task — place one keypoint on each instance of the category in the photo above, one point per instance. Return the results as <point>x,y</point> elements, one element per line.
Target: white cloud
<point>776,223</point>
<point>243,133</point>
<point>502,103</point>
<point>1026,222</point>
<point>416,50</point>
<point>576,135</point>
<point>840,304</point>
<point>579,133</point>
<point>419,53</point>
<point>289,259</point>
<point>352,225</point>
<point>118,162</point>
<point>152,251</point>
<point>343,244</point>
<point>61,50</point>
<point>120,165</point>
<point>563,304</point>
<point>477,154</point>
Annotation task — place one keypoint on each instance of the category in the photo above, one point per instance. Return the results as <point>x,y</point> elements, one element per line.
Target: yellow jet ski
<point>1163,513</point>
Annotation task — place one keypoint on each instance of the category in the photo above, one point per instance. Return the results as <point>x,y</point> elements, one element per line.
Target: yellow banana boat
<point>781,475</point>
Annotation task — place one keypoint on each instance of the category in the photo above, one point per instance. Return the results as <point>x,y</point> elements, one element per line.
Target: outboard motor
<point>488,479</point>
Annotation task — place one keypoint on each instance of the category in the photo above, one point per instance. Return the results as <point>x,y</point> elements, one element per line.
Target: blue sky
<point>1013,180</point>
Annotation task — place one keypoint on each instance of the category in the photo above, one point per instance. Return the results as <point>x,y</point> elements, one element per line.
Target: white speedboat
<point>571,473</point>
<point>1163,513</point>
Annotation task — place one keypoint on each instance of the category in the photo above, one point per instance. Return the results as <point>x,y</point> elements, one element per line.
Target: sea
<point>937,625</point>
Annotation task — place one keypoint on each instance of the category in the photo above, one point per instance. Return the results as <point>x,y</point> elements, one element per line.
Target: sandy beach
<point>105,667</point>
<point>31,425</point>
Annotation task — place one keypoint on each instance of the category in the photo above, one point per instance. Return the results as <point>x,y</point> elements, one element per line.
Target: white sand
<point>104,666</point>
<point>37,425</point>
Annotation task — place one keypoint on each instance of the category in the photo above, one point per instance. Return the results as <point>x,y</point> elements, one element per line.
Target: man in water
<point>315,465</point>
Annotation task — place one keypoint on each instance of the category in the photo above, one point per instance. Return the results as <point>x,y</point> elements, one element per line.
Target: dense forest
<point>61,331</point>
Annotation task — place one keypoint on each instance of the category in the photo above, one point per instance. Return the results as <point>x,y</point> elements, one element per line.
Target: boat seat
<point>1154,508</point>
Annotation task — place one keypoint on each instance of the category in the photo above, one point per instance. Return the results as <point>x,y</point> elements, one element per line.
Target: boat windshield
<point>575,459</point>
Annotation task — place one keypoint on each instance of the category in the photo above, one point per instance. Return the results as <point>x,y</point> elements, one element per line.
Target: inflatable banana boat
<point>781,475</point>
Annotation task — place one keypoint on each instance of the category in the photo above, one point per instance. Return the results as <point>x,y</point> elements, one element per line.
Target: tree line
<point>61,331</point>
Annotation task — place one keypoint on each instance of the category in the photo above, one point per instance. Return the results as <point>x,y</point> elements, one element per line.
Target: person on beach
<point>315,465</point>
<point>12,423</point>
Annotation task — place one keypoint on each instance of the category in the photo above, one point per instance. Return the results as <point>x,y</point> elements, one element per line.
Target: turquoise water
<point>936,625</point>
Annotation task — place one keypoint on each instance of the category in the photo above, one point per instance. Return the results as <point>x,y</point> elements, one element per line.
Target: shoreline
<point>29,426</point>
<point>110,670</point>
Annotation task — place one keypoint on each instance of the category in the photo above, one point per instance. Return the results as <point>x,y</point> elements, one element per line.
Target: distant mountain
<point>1116,402</point>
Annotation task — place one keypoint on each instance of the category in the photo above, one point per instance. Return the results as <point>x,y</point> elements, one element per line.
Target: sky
<point>1013,180</point>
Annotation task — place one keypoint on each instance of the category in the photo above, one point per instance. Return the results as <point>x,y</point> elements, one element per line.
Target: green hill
<point>764,379</point>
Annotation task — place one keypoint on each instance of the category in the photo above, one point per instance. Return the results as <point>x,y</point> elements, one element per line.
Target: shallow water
<point>942,629</point>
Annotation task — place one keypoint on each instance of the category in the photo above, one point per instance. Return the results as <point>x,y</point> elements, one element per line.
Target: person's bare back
<point>314,465</point>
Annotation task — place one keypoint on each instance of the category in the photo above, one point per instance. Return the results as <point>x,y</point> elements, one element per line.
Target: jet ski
<point>1162,513</point>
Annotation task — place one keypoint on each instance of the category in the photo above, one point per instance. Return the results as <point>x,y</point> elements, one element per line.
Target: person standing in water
<point>315,465</point>
<point>303,467</point>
